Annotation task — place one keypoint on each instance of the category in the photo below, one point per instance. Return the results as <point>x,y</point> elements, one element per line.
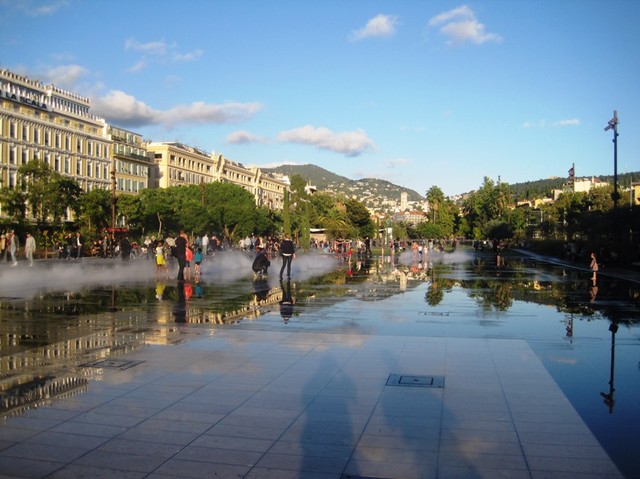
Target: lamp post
<point>613,125</point>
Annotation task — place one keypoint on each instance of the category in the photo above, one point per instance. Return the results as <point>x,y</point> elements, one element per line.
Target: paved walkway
<point>263,404</point>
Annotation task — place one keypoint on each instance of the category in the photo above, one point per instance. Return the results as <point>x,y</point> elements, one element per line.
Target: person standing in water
<point>288,252</point>
<point>30,248</point>
<point>180,254</point>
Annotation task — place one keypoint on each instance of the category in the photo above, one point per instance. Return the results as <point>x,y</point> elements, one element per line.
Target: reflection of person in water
<point>261,289</point>
<point>160,290</point>
<point>593,293</point>
<point>180,308</point>
<point>287,301</point>
<point>593,266</point>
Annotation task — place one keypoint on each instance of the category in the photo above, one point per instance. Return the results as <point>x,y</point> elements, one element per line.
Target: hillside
<point>372,192</point>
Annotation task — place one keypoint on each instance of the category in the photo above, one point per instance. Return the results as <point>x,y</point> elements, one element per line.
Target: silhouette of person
<point>181,254</point>
<point>287,301</point>
<point>288,251</point>
<point>180,308</point>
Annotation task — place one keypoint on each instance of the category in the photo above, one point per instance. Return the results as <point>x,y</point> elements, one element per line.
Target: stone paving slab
<point>262,404</point>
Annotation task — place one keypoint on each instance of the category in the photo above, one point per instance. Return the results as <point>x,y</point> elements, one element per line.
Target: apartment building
<point>176,164</point>
<point>267,190</point>
<point>132,163</point>
<point>39,121</point>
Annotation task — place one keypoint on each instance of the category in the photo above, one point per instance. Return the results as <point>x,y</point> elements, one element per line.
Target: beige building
<point>39,121</point>
<point>267,190</point>
<point>131,162</point>
<point>176,164</point>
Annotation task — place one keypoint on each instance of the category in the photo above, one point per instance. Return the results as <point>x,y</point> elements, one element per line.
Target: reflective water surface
<point>59,319</point>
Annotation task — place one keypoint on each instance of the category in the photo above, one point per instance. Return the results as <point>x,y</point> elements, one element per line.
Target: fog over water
<point>23,281</point>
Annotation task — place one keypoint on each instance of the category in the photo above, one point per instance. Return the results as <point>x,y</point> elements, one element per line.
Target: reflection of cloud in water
<point>69,275</point>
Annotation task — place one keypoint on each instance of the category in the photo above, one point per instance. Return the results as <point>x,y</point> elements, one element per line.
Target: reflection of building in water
<point>37,391</point>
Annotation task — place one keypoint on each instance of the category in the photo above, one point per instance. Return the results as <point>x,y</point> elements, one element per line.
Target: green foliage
<point>95,211</point>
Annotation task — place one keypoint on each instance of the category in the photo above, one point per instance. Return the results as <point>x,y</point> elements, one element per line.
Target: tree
<point>358,215</point>
<point>95,209</point>
<point>435,197</point>
<point>286,214</point>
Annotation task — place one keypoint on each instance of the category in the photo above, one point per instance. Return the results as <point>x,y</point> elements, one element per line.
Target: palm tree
<point>435,196</point>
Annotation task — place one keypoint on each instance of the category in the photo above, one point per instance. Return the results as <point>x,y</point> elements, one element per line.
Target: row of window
<point>130,186</point>
<point>134,169</point>
<point>34,134</point>
<point>94,168</point>
<point>189,163</point>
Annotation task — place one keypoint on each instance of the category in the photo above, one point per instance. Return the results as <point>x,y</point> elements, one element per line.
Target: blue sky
<point>417,92</point>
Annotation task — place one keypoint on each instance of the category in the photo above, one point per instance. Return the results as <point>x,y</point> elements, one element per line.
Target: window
<point>89,169</point>
<point>25,133</point>
<point>12,156</point>
<point>58,140</point>
<point>13,130</point>
<point>47,138</point>
<point>78,167</point>
<point>79,145</point>
<point>67,165</point>
<point>25,156</point>
<point>56,167</point>
<point>90,148</point>
<point>36,135</point>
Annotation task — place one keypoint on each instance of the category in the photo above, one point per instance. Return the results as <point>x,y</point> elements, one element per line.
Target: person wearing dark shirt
<point>261,263</point>
<point>288,252</point>
<point>181,253</point>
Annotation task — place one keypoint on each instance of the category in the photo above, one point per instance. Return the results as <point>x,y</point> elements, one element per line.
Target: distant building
<point>176,164</point>
<point>412,217</point>
<point>587,184</point>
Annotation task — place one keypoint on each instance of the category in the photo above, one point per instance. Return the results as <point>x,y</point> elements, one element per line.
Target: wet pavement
<point>369,369</point>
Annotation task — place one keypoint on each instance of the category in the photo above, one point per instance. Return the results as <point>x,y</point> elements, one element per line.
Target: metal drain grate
<point>415,381</point>
<point>111,363</point>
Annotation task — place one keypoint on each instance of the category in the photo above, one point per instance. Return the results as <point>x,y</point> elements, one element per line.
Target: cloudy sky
<point>420,93</point>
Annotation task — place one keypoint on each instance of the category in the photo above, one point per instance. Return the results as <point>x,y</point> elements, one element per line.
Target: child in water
<point>161,263</point>
<point>197,259</point>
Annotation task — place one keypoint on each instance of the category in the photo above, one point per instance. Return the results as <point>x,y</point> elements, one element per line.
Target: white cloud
<point>35,8</point>
<point>65,75</point>
<point>380,26</point>
<point>203,113</point>
<point>569,122</point>
<point>125,110</point>
<point>243,137</point>
<point>397,163</point>
<point>545,124</point>
<point>460,25</point>
<point>187,57</point>
<point>149,48</point>
<point>158,52</point>
<point>350,143</point>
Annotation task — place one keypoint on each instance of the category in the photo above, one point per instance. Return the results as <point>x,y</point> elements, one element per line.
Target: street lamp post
<point>613,125</point>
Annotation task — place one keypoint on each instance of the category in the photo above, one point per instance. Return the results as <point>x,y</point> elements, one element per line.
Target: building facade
<point>267,190</point>
<point>42,122</point>
<point>176,164</point>
<point>131,162</point>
